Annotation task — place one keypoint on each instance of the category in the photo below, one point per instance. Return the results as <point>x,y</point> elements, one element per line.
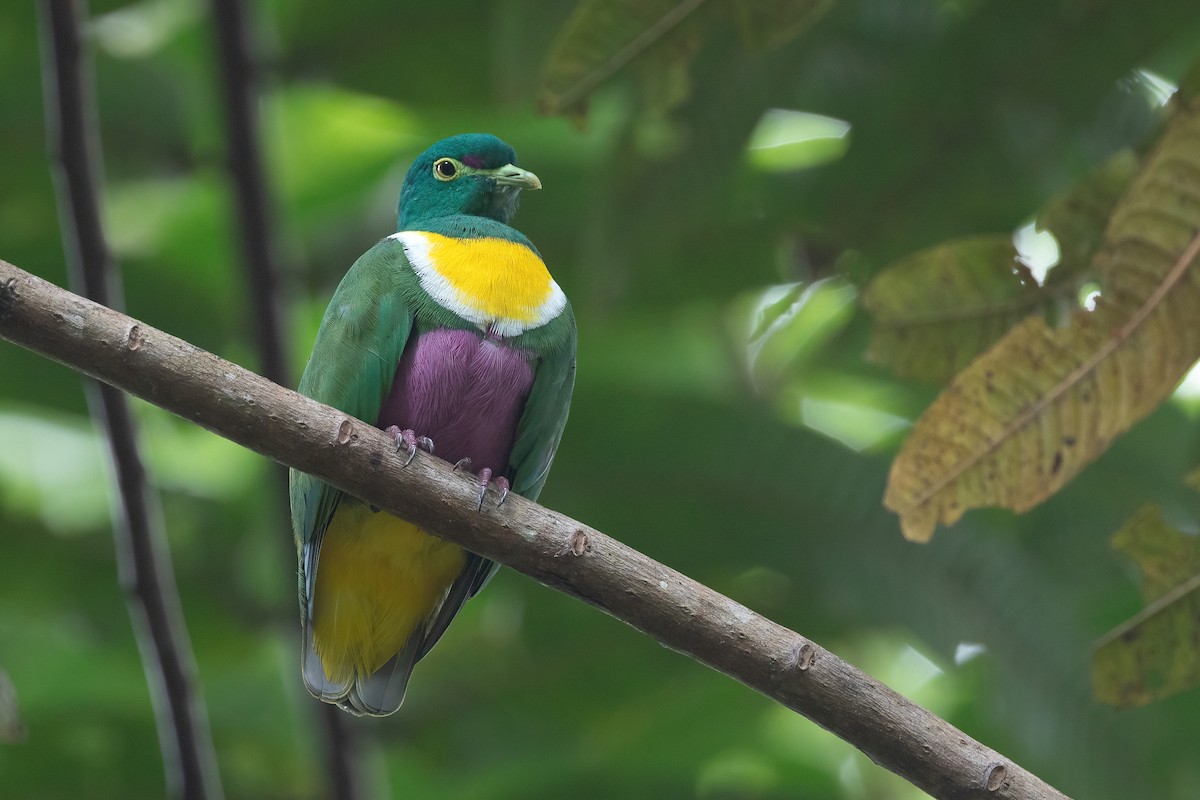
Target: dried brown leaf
<point>1034,410</point>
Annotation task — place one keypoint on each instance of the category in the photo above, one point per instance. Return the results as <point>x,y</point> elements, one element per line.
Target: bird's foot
<point>485,479</point>
<point>407,441</point>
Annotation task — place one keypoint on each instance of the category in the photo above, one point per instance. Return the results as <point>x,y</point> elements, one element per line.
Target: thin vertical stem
<point>239,76</point>
<point>240,84</point>
<point>142,559</point>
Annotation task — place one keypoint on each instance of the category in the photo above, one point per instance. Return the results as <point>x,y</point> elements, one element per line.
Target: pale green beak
<point>512,175</point>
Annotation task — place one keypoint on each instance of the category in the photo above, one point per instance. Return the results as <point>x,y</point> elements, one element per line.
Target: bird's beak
<point>512,175</point>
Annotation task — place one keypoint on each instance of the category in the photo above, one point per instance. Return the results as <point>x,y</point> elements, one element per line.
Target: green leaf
<point>47,457</point>
<point>785,140</point>
<point>11,729</point>
<point>783,327</point>
<point>334,146</point>
<point>1042,404</point>
<point>1154,654</point>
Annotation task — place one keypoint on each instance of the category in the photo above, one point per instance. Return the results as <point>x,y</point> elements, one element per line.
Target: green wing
<point>545,414</point>
<point>352,365</point>
<point>540,429</point>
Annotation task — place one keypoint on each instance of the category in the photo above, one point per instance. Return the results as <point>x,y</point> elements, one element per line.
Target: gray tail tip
<point>382,692</point>
<point>376,695</point>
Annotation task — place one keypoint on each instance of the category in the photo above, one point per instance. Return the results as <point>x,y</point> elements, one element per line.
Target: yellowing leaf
<point>1030,413</point>
<point>659,38</point>
<point>938,309</point>
<point>1166,558</point>
<point>603,36</point>
<point>1078,216</point>
<point>770,23</point>
<point>1192,479</point>
<point>1154,654</point>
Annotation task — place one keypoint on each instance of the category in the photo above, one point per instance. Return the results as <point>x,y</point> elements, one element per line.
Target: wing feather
<point>351,368</point>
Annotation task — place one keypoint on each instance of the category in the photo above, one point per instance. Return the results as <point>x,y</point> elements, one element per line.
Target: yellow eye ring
<point>445,169</point>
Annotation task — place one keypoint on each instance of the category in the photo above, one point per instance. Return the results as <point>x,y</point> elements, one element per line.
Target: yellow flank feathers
<point>492,282</point>
<point>378,577</point>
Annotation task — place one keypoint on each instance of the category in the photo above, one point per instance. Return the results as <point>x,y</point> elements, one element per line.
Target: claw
<point>405,440</point>
<point>485,480</point>
<point>485,477</point>
<point>409,442</point>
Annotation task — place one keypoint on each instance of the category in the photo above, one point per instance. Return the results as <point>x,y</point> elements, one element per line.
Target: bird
<point>452,336</point>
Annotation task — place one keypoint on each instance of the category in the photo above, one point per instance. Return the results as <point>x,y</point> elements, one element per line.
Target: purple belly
<point>464,392</point>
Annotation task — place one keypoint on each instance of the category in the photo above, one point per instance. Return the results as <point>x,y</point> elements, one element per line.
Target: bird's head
<point>472,173</point>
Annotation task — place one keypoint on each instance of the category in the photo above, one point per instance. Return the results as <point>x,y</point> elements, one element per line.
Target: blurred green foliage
<point>667,232</point>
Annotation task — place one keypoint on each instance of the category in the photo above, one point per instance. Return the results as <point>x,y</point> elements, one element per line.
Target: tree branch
<point>554,549</point>
<point>143,564</point>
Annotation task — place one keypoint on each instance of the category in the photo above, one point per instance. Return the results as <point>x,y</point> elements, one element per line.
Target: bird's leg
<point>408,441</point>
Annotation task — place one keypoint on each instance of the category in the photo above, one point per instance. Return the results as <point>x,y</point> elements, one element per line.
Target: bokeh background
<point>675,215</point>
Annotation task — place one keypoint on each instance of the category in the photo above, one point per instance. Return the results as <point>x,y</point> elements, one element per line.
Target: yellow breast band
<point>494,283</point>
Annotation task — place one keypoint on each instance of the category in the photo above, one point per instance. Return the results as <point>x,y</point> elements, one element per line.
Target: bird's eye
<point>445,169</point>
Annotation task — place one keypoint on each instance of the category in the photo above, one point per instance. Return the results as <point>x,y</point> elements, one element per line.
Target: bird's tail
<point>376,695</point>
<point>375,591</point>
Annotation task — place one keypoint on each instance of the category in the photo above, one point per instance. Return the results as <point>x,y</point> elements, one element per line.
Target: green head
<point>472,173</point>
